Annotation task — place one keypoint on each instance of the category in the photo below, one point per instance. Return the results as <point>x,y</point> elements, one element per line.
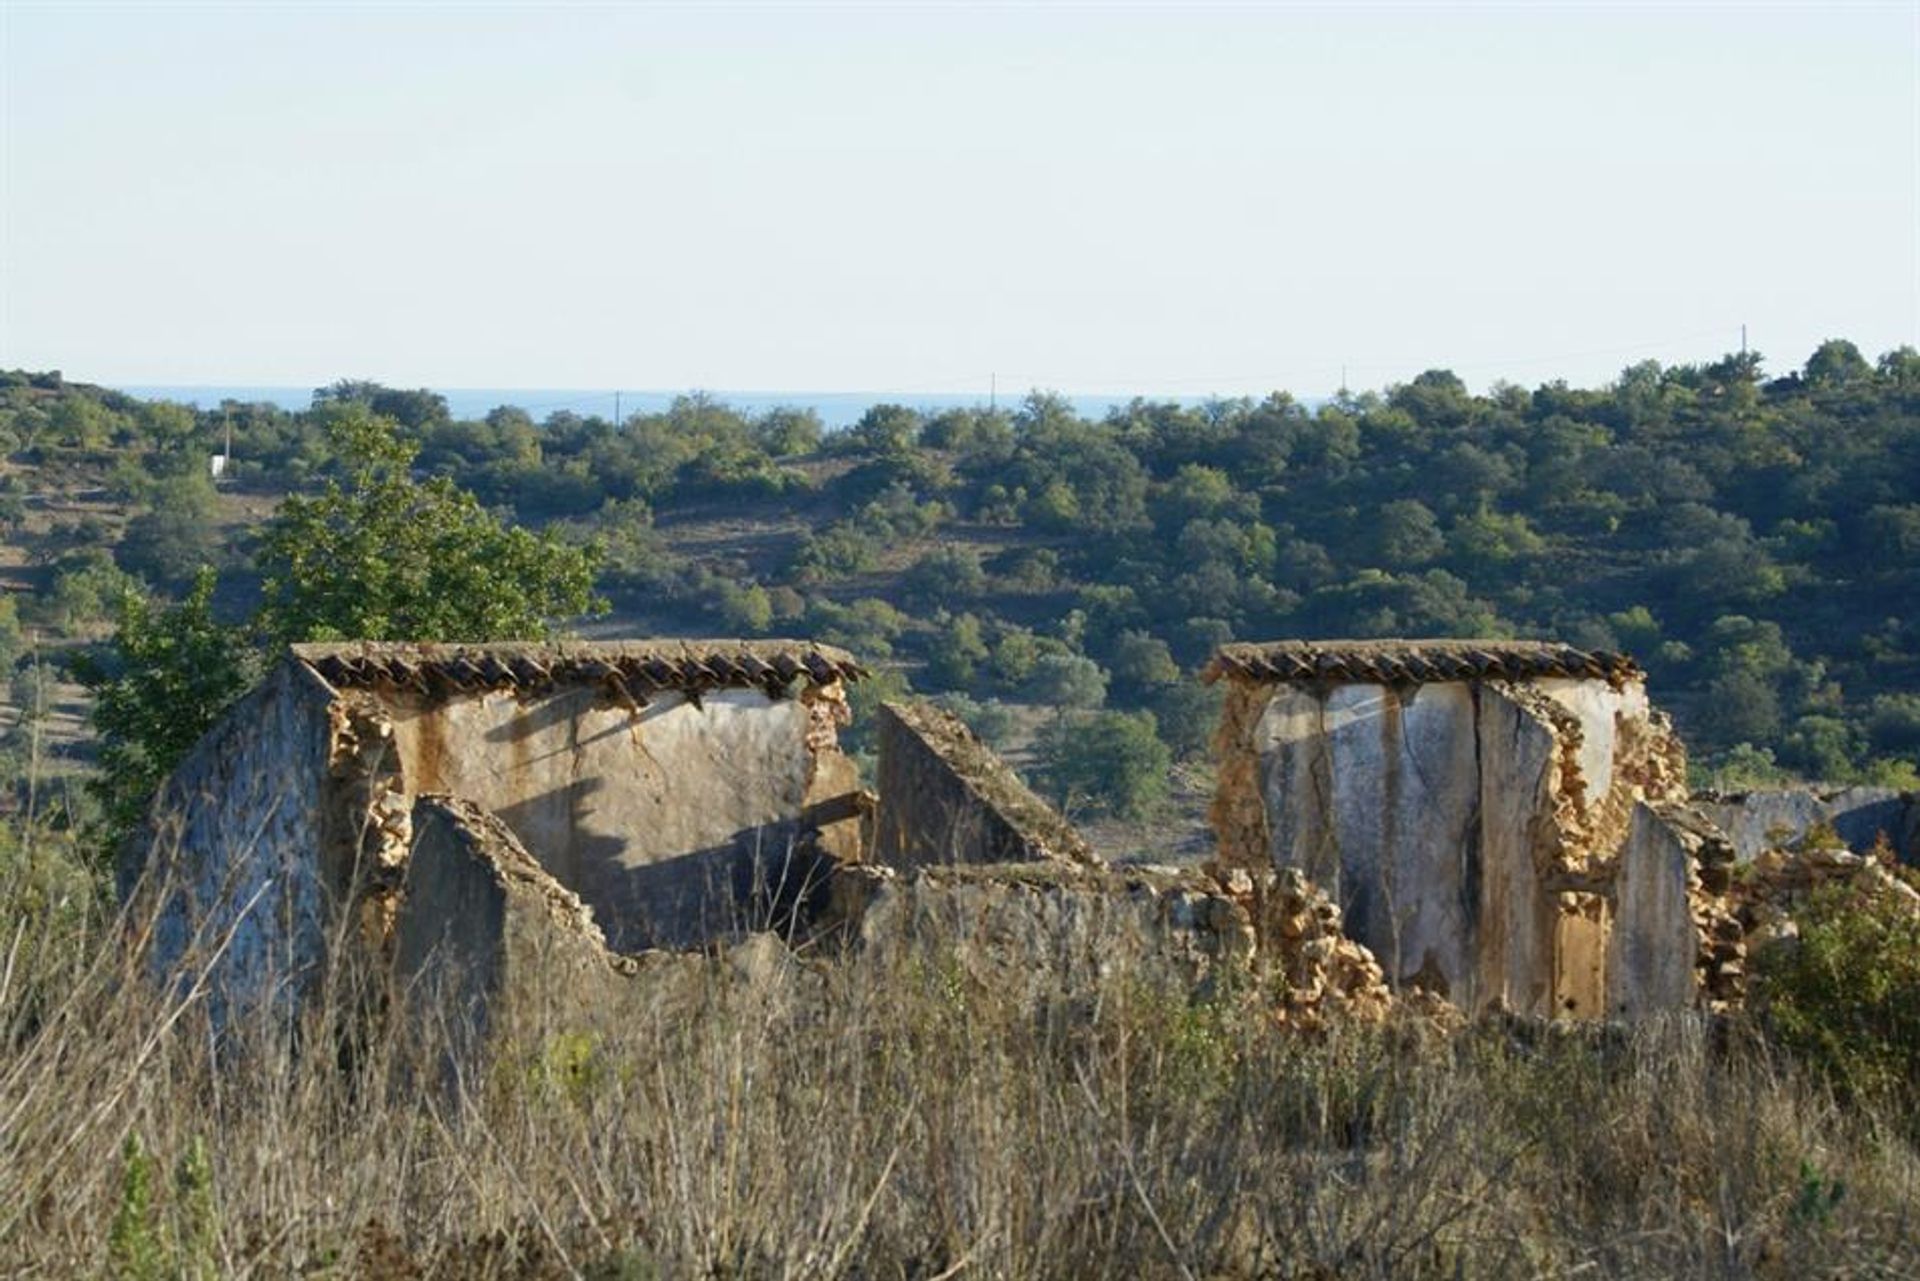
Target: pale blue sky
<point>912,198</point>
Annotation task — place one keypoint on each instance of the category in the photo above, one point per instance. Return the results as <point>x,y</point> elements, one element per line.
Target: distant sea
<point>836,408</point>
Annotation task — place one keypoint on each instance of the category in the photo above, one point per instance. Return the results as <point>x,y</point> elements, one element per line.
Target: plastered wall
<point>1469,830</point>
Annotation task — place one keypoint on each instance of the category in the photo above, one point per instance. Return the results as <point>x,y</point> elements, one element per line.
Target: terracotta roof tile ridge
<point>1403,662</point>
<point>631,668</point>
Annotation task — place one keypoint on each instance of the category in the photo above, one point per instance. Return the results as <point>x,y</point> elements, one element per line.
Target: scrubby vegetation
<point>831,1119</point>
<point>1754,540</point>
<point>1844,993</point>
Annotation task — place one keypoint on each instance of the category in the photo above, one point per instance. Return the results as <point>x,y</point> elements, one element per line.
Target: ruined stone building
<point>1499,825</point>
<point>674,787</point>
<point>1499,821</point>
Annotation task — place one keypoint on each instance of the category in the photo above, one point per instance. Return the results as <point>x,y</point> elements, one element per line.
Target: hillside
<point>1755,541</point>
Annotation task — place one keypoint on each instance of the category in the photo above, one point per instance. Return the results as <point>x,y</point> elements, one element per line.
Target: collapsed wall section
<point>946,797</point>
<point>1668,944</point>
<point>1022,930</point>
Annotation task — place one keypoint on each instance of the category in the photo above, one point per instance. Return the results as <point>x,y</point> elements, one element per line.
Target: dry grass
<point>820,1120</point>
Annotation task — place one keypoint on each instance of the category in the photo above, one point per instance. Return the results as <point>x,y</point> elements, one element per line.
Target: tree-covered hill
<point>1754,540</point>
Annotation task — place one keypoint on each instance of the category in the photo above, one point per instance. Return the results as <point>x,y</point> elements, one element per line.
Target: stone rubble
<point>1780,880</point>
<point>1318,973</point>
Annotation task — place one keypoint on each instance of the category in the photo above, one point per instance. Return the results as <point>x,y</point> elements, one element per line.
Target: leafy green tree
<point>86,586</point>
<point>1110,763</point>
<point>1195,493</point>
<point>956,652</point>
<point>1187,713</point>
<point>945,574</point>
<point>170,671</point>
<point>80,422</point>
<point>1837,362</point>
<point>1436,398</point>
<point>1900,367</point>
<point>170,542</point>
<point>1489,539</point>
<point>1635,627</point>
<point>1068,682</point>
<point>986,433</point>
<point>1741,646</point>
<point>1055,506</point>
<point>837,551</point>
<point>385,557</point>
<point>412,410</point>
<point>1014,655</point>
<point>869,626</point>
<point>1742,706</point>
<point>166,548</point>
<point>1405,533</point>
<point>745,609</point>
<point>1027,569</point>
<point>1142,662</point>
<point>784,432</point>
<point>1821,748</point>
<point>169,426</point>
<point>1742,768</point>
<point>885,430</point>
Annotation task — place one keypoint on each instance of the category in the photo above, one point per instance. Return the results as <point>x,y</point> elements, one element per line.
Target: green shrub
<point>1844,997</point>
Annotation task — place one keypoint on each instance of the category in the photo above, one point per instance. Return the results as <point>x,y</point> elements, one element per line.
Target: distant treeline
<point>1754,541</point>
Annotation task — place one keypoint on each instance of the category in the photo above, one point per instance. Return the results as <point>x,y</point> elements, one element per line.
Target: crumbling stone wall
<point>1766,891</point>
<point>1021,928</point>
<point>1670,943</point>
<point>946,797</point>
<point>1466,803</point>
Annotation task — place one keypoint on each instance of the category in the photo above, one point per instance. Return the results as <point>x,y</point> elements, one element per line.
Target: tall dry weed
<point>751,1114</point>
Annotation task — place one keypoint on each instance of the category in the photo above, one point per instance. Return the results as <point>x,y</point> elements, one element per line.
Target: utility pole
<point>616,411</point>
<point>993,392</point>
<point>1743,339</point>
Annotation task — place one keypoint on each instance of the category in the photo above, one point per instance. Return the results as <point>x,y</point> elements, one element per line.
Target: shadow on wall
<point>764,879</point>
<point>755,878</point>
<point>550,713</point>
